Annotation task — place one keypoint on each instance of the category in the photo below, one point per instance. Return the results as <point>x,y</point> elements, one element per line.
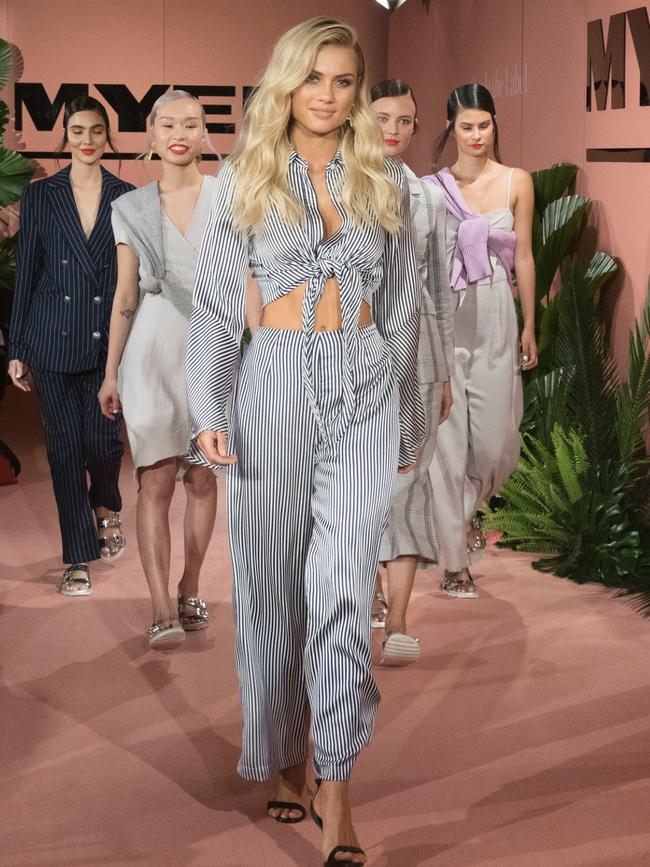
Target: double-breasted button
<point>67,299</point>
<point>64,262</point>
<point>98,299</point>
<point>64,334</point>
<point>96,335</point>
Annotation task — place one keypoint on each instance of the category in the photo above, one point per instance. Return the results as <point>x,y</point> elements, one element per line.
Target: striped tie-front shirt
<point>369,264</point>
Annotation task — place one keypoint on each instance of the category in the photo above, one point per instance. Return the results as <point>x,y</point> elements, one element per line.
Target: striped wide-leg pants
<point>305,525</point>
<point>81,443</point>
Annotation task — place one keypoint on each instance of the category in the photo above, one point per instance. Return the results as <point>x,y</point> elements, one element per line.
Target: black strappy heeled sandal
<point>331,860</point>
<point>286,805</point>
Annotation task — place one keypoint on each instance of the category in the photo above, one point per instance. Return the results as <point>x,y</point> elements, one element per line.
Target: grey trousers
<point>411,526</point>
<point>305,524</point>
<point>478,445</point>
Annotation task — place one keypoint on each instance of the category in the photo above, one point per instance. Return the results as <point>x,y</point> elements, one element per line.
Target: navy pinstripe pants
<point>80,441</point>
<point>305,527</point>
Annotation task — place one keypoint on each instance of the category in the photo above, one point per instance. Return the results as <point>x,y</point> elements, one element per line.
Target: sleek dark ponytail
<point>463,97</point>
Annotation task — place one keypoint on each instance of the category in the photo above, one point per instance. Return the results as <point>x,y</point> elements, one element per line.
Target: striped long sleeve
<point>397,316</point>
<point>439,288</point>
<point>217,321</point>
<point>28,267</point>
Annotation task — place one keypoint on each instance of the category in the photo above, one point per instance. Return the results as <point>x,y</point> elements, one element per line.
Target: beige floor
<point>520,740</point>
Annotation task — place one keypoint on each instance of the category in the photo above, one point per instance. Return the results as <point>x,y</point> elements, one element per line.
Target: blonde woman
<point>158,230</point>
<point>325,411</point>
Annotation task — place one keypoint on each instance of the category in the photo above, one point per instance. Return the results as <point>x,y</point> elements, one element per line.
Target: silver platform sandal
<point>379,611</point>
<point>163,636</point>
<point>111,538</point>
<point>475,532</point>
<point>192,613</point>
<point>76,581</point>
<point>455,585</point>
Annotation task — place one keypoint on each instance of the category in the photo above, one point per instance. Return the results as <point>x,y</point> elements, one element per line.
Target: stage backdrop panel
<point>121,50</point>
<point>533,57</point>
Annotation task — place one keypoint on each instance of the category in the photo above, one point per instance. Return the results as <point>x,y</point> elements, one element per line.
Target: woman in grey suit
<point>410,537</point>
<point>65,280</point>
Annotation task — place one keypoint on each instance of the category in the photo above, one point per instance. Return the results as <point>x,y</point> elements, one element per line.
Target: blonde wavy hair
<point>260,158</point>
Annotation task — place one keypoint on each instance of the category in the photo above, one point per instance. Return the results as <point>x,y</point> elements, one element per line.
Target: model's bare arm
<point>524,262</point>
<point>125,304</point>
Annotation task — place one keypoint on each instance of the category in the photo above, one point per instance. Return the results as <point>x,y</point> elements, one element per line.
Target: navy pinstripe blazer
<point>64,282</point>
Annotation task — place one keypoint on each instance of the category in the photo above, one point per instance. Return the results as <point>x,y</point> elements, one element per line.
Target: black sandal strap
<point>353,850</point>
<point>287,805</point>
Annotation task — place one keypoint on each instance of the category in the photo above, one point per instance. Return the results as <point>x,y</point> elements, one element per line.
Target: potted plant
<point>580,489</point>
<point>15,174</point>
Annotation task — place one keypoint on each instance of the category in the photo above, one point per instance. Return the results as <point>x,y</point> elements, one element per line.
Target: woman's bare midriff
<point>286,312</point>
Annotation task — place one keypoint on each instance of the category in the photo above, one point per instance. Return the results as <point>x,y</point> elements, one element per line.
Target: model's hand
<point>528,349</point>
<point>109,399</point>
<point>407,469</point>
<point>19,374</point>
<point>214,446</point>
<point>446,403</point>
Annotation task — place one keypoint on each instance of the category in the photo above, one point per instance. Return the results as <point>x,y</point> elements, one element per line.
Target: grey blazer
<point>428,225</point>
<point>138,215</point>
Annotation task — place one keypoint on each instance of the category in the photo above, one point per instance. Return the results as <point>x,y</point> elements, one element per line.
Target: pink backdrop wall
<point>532,55</point>
<point>144,42</point>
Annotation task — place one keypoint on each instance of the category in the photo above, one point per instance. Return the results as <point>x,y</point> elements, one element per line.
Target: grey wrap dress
<point>152,375</point>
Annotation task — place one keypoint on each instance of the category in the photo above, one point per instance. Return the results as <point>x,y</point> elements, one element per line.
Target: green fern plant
<point>582,480</point>
<point>560,502</point>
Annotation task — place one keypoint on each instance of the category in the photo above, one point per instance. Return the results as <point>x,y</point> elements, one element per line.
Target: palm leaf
<point>581,349</point>
<point>561,225</point>
<point>4,117</point>
<point>548,324</point>
<point>545,404</point>
<point>15,174</point>
<point>5,62</point>
<point>7,262</point>
<point>633,399</point>
<point>600,269</point>
<point>552,183</point>
<point>537,235</point>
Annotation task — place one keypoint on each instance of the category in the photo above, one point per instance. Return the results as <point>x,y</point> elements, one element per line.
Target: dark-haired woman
<point>65,282</point>
<point>410,537</point>
<point>489,227</point>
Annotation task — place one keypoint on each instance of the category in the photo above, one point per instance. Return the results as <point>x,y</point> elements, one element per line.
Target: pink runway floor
<point>520,739</point>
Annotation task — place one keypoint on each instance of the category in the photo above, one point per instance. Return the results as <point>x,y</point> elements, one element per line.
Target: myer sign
<point>45,113</point>
<point>606,74</point>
